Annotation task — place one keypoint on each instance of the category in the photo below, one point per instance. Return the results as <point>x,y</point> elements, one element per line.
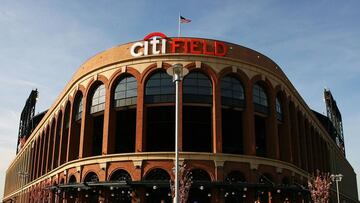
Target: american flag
<point>184,20</point>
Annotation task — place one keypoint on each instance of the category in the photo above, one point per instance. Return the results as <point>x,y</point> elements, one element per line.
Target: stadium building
<point>245,132</point>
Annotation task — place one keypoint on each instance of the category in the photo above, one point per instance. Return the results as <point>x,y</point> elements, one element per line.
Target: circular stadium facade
<point>245,132</point>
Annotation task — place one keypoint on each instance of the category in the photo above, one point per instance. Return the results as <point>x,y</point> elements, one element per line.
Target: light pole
<point>178,72</point>
<point>337,178</point>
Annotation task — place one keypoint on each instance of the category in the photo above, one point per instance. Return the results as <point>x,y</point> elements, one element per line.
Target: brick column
<point>322,155</point>
<point>248,119</point>
<point>327,157</point>
<point>303,143</point>
<point>61,137</point>
<point>295,135</point>
<point>318,151</point>
<point>286,146</point>
<point>108,128</point>
<point>30,164</point>
<point>43,154</point>
<point>86,128</point>
<point>70,148</point>
<point>309,147</point>
<point>38,164</point>
<point>34,154</point>
<point>272,140</point>
<point>217,137</point>
<point>216,196</point>
<point>53,164</point>
<point>140,119</point>
<point>48,143</point>
<point>48,151</point>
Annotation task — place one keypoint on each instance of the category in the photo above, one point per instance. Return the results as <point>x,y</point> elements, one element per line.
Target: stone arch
<point>157,174</point>
<point>235,176</point>
<point>72,179</point>
<point>91,176</point>
<point>120,175</point>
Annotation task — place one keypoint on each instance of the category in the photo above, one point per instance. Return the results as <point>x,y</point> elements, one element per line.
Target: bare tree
<point>319,187</point>
<point>185,181</point>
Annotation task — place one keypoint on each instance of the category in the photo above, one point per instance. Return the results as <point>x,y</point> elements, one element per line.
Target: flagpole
<point>179,28</point>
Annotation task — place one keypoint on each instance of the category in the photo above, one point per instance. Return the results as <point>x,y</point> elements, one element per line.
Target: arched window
<point>261,106</point>
<point>235,177</point>
<point>197,119</point>
<point>160,182</point>
<point>260,99</point>
<point>282,133</point>
<point>200,190</point>
<point>157,174</point>
<point>235,192</point>
<point>92,196</point>
<point>65,134</point>
<point>232,92</point>
<point>200,175</point>
<point>160,119</point>
<point>266,179</point>
<point>76,127</point>
<point>125,95</point>
<point>98,99</point>
<point>57,140</point>
<point>159,88</point>
<point>120,175</point>
<point>285,181</point>
<point>51,145</point>
<point>72,179</point>
<point>126,92</point>
<point>197,88</point>
<point>232,100</point>
<point>95,123</point>
<point>91,177</point>
<point>78,107</point>
<point>278,109</point>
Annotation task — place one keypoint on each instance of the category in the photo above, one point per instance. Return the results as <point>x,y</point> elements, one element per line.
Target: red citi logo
<point>156,43</point>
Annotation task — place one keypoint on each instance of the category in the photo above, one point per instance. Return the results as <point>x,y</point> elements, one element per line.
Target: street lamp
<point>337,178</point>
<point>178,72</point>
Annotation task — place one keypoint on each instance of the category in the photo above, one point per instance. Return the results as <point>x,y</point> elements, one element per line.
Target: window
<point>72,179</point>
<point>200,188</point>
<point>125,130</point>
<point>98,99</point>
<point>197,88</point>
<point>120,175</point>
<point>235,177</point>
<point>232,92</point>
<point>160,128</point>
<point>157,174</point>
<point>67,117</point>
<point>278,109</point>
<point>232,131</point>
<point>91,177</point>
<point>260,99</point>
<point>197,129</point>
<point>78,108</point>
<point>159,88</point>
<point>260,136</point>
<point>126,92</point>
<point>76,128</point>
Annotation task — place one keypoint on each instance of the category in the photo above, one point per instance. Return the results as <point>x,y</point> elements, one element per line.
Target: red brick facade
<point>60,148</point>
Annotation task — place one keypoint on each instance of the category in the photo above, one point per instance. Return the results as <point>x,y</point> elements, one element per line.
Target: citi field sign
<point>157,43</point>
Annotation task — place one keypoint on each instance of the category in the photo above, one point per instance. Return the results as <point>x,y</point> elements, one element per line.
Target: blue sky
<point>42,43</point>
